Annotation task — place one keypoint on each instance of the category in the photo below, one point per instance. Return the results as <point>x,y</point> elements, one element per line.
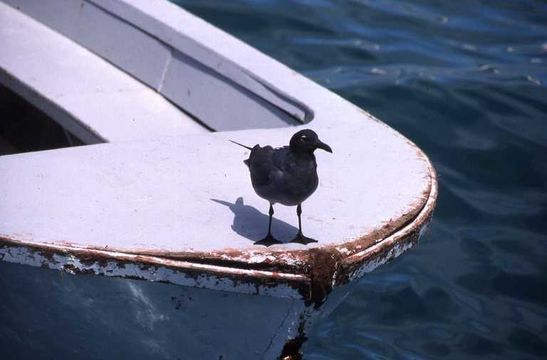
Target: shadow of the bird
<point>253,224</point>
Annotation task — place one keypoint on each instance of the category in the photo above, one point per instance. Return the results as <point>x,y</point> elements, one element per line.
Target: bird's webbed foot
<point>301,239</point>
<point>269,240</point>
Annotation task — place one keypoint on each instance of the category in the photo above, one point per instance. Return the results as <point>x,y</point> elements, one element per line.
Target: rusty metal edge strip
<point>93,255</point>
<point>68,262</point>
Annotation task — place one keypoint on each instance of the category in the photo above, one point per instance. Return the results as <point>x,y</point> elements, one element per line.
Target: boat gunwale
<point>320,268</point>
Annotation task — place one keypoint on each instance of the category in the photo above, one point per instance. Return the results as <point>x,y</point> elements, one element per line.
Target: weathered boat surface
<point>173,203</point>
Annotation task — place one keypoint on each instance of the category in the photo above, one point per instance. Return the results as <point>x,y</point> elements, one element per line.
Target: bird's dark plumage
<point>286,175</point>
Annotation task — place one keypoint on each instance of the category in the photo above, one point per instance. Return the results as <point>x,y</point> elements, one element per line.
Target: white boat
<point>161,195</point>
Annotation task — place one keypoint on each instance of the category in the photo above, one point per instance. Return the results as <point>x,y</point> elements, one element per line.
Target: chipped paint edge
<point>159,270</point>
<point>365,261</point>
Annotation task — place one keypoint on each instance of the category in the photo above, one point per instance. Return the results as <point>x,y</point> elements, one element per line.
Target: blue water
<point>465,80</point>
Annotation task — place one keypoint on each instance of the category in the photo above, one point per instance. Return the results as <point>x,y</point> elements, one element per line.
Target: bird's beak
<point>322,145</point>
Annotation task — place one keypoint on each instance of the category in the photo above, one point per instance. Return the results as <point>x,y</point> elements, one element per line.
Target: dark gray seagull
<point>286,175</point>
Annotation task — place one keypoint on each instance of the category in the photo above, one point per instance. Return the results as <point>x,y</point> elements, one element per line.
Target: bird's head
<point>307,141</point>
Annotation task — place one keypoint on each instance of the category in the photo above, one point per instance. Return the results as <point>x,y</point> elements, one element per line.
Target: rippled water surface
<point>465,80</point>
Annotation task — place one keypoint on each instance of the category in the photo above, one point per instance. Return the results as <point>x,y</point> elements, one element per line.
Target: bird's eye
<point>304,137</point>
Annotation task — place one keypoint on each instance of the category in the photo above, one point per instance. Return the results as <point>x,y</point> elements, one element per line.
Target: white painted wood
<point>190,36</point>
<point>63,13</point>
<point>97,30</point>
<point>139,41</point>
<point>206,44</point>
<point>81,91</point>
<point>197,88</point>
<point>131,196</point>
<point>131,49</point>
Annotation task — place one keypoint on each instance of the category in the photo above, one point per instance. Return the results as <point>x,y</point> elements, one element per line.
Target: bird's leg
<point>270,212</point>
<point>300,238</point>
<point>269,239</point>
<point>299,214</point>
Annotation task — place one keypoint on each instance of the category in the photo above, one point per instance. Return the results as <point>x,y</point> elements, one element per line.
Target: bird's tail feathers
<point>246,147</point>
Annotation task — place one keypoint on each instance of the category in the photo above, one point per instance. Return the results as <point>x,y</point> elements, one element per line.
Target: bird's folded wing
<point>262,166</point>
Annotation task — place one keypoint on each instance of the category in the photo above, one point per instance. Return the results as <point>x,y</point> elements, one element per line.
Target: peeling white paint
<point>73,265</point>
<point>369,266</point>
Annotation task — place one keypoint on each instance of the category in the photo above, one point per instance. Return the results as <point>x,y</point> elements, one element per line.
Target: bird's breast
<point>290,184</point>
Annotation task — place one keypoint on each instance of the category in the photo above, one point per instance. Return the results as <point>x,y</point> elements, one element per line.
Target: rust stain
<point>291,349</point>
